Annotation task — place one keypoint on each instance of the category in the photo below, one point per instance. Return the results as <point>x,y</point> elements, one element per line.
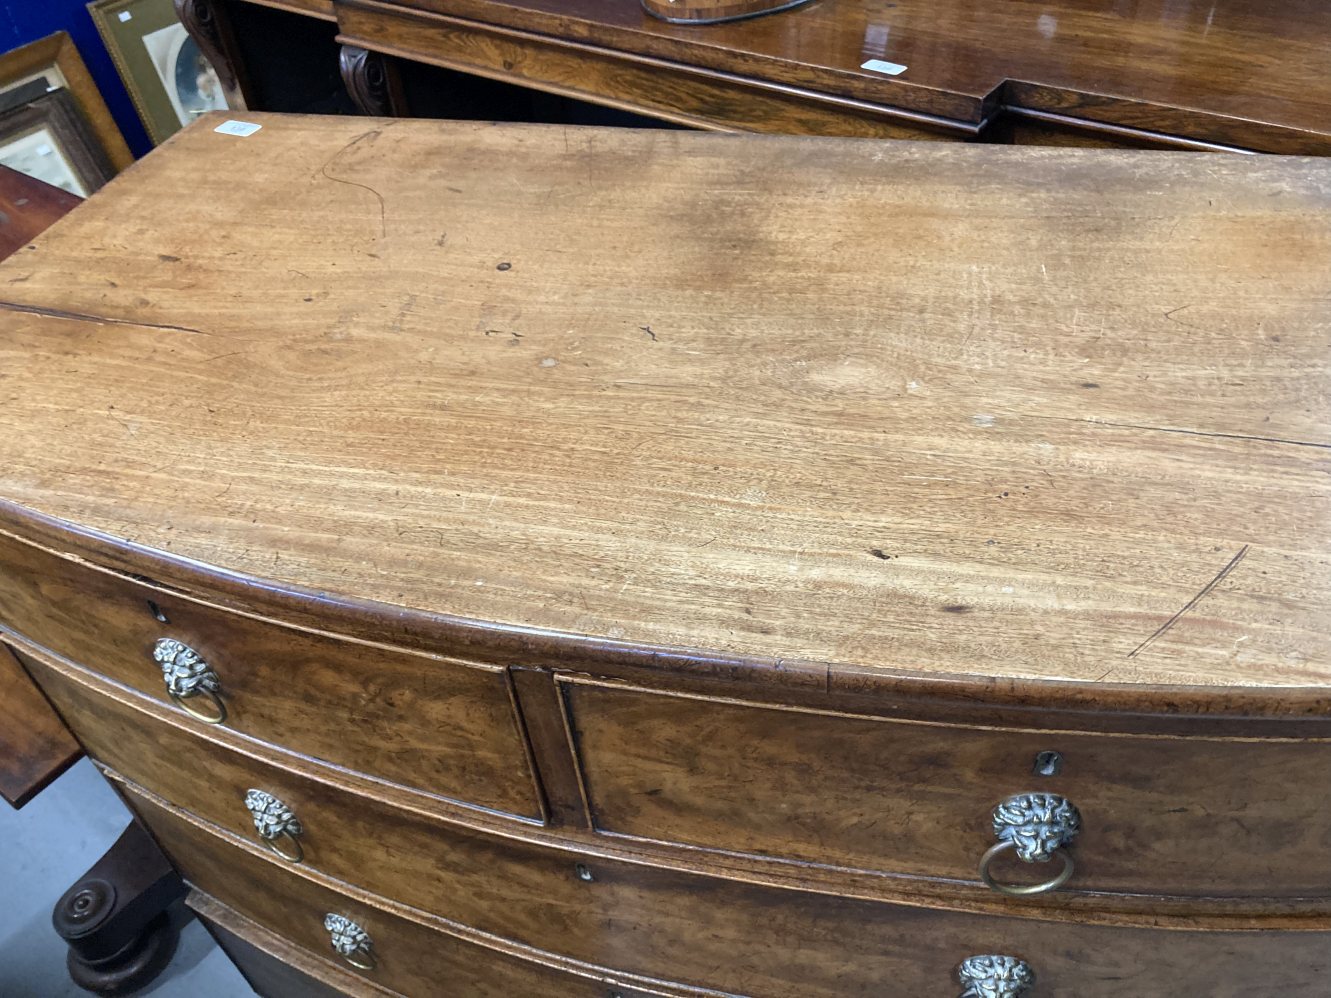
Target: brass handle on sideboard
<point>350,941</point>
<point>278,827</point>
<point>1037,827</point>
<point>188,677</point>
<point>992,976</point>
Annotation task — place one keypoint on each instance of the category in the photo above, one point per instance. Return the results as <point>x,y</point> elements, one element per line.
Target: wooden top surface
<point>1000,411</point>
<point>1267,63</point>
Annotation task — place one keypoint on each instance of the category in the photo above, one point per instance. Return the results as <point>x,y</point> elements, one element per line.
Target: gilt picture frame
<point>168,78</point>
<point>56,61</point>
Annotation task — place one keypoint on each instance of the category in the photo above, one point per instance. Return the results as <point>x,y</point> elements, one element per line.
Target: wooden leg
<point>115,918</point>
<point>372,81</point>
<point>210,27</point>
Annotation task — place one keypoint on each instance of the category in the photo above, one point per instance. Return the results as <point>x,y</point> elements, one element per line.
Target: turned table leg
<point>115,917</point>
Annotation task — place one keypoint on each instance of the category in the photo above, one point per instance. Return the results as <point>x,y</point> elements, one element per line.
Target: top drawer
<point>1159,816</point>
<point>433,726</point>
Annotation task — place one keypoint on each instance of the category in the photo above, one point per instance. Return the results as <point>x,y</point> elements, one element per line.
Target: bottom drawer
<point>409,958</point>
<point>271,965</point>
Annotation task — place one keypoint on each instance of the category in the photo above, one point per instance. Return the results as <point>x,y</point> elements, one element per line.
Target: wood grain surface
<point>1013,413</point>
<point>1230,72</point>
<point>917,799</point>
<point>802,947</point>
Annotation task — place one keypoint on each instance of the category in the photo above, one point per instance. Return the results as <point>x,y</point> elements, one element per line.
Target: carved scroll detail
<point>372,82</point>
<point>206,22</point>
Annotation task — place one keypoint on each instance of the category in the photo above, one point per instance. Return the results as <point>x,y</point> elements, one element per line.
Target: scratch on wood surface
<point>371,135</point>
<point>110,411</point>
<point>102,320</point>
<point>1175,429</point>
<point>1205,590</point>
<point>1170,316</point>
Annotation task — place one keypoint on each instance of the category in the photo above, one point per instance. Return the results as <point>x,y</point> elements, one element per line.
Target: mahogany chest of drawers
<point>539,561</point>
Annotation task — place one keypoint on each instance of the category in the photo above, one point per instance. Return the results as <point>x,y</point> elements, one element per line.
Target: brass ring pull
<point>189,677</point>
<point>216,716</point>
<point>350,941</point>
<point>277,825</point>
<point>1036,827</point>
<point>293,854</point>
<point>364,961</point>
<point>1022,890</point>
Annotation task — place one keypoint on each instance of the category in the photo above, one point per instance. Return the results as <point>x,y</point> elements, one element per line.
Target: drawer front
<point>703,932</point>
<point>410,958</point>
<point>1159,816</point>
<point>272,966</point>
<point>439,727</point>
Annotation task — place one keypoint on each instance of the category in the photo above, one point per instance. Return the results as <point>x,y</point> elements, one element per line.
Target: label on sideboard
<point>883,66</point>
<point>241,128</point>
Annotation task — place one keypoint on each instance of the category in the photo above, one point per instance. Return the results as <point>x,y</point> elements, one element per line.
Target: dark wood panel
<point>1043,128</point>
<point>917,799</point>
<point>27,208</point>
<point>35,745</point>
<point>543,719</point>
<point>424,723</point>
<point>1230,72</point>
<point>687,95</point>
<point>1100,113</point>
<point>322,9</point>
<point>819,47</point>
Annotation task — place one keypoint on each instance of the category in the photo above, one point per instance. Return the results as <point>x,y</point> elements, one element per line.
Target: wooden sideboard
<point>523,560</point>
<point>1138,73</point>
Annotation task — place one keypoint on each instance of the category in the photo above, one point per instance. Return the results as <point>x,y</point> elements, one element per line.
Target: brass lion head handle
<point>190,679</point>
<point>992,976</point>
<point>277,825</point>
<point>350,941</point>
<point>1037,827</point>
